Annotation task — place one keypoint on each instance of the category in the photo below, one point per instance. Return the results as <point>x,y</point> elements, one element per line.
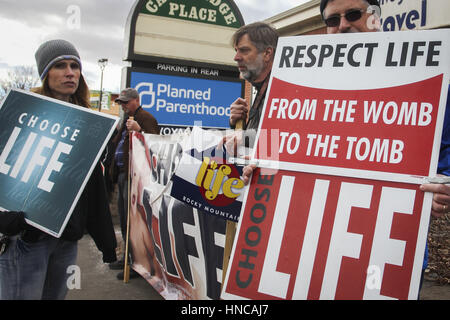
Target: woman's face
<point>63,79</point>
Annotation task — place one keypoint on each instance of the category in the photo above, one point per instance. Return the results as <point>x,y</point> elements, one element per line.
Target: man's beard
<point>253,69</point>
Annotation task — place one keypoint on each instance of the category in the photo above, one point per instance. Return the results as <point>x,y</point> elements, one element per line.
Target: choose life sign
<point>351,127</point>
<point>48,149</point>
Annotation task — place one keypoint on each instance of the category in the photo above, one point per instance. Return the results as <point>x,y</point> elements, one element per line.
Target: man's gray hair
<point>261,34</point>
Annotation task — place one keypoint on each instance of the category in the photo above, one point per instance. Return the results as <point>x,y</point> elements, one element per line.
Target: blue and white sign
<point>184,101</point>
<point>399,15</point>
<point>48,150</point>
<point>403,15</point>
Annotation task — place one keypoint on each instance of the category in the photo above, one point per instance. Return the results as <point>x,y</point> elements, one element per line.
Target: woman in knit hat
<point>35,265</point>
<point>61,59</point>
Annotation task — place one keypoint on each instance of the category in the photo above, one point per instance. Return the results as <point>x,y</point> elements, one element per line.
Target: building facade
<point>396,15</point>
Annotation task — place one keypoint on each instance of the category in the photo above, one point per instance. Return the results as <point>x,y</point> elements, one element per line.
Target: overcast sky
<point>25,24</point>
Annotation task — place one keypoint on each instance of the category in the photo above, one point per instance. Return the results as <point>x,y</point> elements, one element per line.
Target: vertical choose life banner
<point>48,150</point>
<point>339,213</point>
<point>177,232</point>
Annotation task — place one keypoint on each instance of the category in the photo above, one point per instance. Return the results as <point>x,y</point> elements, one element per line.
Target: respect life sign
<point>351,127</point>
<point>48,150</point>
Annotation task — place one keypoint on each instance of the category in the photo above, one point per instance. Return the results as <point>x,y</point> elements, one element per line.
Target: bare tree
<point>21,77</point>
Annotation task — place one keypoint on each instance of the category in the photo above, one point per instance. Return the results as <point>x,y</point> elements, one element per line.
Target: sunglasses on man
<point>351,15</point>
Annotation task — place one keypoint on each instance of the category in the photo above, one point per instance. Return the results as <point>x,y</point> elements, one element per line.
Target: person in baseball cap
<point>126,95</point>
<point>344,16</point>
<point>139,120</point>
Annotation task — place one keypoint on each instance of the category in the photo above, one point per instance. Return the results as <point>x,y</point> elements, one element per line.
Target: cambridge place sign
<point>218,12</point>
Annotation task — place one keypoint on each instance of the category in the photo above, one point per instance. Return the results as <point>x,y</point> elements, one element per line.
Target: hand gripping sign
<point>358,119</point>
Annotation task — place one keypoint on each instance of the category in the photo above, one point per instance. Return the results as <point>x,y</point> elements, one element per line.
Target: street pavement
<point>98,282</point>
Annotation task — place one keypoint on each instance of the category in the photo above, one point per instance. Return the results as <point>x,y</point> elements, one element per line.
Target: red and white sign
<point>309,236</point>
<point>380,130</point>
<point>352,126</point>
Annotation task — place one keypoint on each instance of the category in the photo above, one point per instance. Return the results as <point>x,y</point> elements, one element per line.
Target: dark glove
<point>12,222</point>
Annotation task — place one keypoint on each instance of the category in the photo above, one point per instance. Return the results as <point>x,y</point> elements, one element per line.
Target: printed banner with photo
<point>48,149</point>
<point>177,246</point>
<point>359,119</point>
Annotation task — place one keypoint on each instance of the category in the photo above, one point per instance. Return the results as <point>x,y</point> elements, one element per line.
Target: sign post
<point>181,61</point>
<point>231,228</point>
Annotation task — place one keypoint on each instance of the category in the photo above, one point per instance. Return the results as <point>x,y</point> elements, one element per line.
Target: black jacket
<point>92,214</point>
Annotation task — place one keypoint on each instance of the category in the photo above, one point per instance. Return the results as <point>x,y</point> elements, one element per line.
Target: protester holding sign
<point>33,264</point>
<point>350,16</point>
<point>255,46</point>
<point>139,120</point>
<point>354,16</point>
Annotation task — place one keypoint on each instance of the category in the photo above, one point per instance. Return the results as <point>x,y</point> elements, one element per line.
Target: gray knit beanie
<point>53,51</point>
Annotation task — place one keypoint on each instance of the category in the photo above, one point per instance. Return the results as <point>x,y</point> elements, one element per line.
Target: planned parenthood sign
<point>183,101</point>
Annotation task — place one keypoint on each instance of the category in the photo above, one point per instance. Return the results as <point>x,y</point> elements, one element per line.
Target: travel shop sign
<point>414,14</point>
<point>217,12</point>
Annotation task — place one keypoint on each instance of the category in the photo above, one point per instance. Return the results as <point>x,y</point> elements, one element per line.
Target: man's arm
<point>441,197</point>
<point>144,123</point>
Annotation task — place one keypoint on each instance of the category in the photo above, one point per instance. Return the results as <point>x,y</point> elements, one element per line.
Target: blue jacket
<point>444,156</point>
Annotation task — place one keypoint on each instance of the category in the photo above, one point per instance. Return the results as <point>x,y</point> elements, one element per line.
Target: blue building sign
<point>183,101</point>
